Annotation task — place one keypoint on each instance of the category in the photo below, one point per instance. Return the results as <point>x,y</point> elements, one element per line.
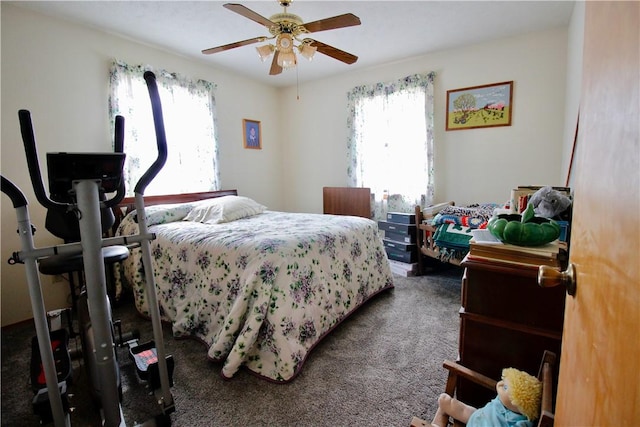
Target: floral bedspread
<point>262,291</point>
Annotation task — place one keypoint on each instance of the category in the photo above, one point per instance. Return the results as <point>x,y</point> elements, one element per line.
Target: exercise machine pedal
<point>122,339</point>
<point>62,358</point>
<point>145,357</point>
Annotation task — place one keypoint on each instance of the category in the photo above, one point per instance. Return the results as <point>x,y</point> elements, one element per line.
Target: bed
<point>444,230</point>
<point>261,290</point>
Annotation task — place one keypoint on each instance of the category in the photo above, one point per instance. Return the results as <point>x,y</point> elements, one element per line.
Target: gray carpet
<point>380,367</point>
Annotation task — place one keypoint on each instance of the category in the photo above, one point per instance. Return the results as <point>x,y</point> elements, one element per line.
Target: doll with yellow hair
<point>516,405</point>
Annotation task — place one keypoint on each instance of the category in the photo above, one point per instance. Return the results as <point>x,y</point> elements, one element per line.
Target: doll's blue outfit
<point>495,414</point>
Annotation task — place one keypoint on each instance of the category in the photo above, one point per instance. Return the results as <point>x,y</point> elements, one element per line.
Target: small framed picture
<point>480,106</point>
<point>252,134</point>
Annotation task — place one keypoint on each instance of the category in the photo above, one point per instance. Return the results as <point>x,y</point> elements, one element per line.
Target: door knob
<point>549,277</point>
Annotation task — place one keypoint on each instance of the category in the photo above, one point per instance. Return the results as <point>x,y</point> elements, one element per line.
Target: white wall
<point>575,45</point>
<point>476,165</point>
<point>60,72</point>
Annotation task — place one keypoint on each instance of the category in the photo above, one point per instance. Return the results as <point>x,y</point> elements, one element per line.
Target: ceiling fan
<point>289,31</point>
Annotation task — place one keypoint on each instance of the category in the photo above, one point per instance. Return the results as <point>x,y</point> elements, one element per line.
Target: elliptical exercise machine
<point>87,177</point>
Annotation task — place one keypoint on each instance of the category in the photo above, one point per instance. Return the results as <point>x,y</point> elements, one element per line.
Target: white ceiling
<point>390,30</point>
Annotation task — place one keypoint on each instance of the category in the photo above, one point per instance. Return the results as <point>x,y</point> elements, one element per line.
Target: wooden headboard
<point>354,201</point>
<point>128,203</point>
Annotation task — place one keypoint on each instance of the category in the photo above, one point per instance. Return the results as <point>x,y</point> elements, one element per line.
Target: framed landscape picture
<point>252,134</point>
<point>480,106</point>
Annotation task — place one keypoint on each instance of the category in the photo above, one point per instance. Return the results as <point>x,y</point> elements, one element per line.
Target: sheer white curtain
<point>190,123</point>
<point>391,142</point>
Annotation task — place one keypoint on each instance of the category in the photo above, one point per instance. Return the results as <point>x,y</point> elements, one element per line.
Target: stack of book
<point>486,248</point>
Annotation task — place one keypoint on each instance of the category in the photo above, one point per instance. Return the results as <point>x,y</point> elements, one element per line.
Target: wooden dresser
<point>506,320</point>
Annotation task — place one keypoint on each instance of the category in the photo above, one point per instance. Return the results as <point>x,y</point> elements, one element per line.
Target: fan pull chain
<point>297,85</point>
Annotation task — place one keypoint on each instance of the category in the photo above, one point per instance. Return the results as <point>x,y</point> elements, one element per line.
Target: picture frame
<point>489,105</point>
<point>252,134</point>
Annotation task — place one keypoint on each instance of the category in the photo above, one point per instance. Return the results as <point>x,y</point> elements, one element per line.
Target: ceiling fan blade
<point>340,21</point>
<point>334,52</point>
<point>248,13</point>
<point>233,45</point>
<point>275,68</point>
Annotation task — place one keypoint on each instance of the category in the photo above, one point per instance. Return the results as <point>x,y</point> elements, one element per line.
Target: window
<point>188,108</point>
<point>391,142</point>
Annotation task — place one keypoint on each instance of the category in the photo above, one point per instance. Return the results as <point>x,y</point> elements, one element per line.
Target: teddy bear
<point>517,404</point>
<point>549,203</point>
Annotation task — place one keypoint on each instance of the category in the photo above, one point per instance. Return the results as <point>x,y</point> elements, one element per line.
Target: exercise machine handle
<point>161,138</point>
<point>15,194</point>
<point>119,135</point>
<point>26,128</point>
<point>118,145</point>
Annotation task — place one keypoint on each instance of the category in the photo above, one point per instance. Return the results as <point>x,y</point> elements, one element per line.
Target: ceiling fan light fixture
<point>307,50</point>
<point>287,32</point>
<point>287,59</point>
<point>265,51</point>
<point>284,43</point>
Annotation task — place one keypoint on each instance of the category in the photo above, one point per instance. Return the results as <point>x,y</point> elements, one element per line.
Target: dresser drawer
<point>514,298</point>
<point>399,246</point>
<point>407,229</point>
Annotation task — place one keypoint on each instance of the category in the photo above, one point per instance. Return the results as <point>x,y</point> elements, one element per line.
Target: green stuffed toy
<point>524,230</point>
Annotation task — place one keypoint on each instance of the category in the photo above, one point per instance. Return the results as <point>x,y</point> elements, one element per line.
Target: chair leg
<point>452,382</point>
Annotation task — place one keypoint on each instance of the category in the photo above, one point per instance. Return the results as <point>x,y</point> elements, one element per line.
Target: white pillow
<point>224,209</point>
<point>161,214</point>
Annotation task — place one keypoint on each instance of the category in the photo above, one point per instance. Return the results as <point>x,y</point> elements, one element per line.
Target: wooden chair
<point>545,374</point>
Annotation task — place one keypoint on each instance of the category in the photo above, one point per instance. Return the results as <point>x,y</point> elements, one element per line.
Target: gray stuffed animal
<point>549,203</point>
